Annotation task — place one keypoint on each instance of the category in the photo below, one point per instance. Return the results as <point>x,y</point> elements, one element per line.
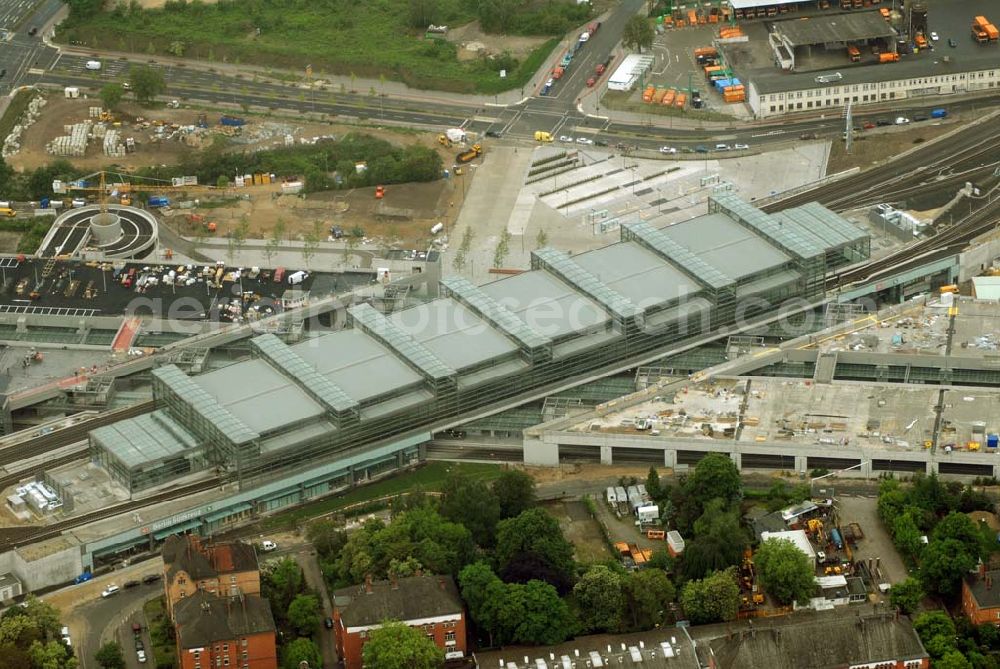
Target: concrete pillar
<point>81,328</point>
<point>538,452</point>
<point>606,455</point>
<point>737,459</point>
<point>996,471</point>
<point>669,457</point>
<point>866,468</point>
<point>22,324</point>
<point>400,460</point>
<point>801,464</point>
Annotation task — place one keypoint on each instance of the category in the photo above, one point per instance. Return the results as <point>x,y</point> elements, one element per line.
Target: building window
<point>449,636</point>
<point>244,642</point>
<point>232,579</point>
<point>244,656</point>
<point>197,655</point>
<point>225,648</point>
<point>225,662</point>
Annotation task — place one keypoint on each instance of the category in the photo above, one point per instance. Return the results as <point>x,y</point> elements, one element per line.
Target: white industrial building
<point>797,537</point>
<point>629,72</point>
<point>778,95</point>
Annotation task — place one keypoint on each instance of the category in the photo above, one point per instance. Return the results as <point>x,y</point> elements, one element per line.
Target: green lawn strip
<point>164,652</point>
<point>428,478</point>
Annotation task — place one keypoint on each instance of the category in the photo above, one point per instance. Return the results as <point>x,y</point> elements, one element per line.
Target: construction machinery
<point>469,154</point>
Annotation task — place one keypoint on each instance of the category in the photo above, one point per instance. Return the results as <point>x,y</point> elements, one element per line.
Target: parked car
<point>952,43</point>
<point>701,148</point>
<point>33,31</point>
<point>867,125</point>
<point>741,147</point>
<point>336,232</point>
<point>112,589</point>
<point>565,138</point>
<point>721,147</point>
<point>151,578</point>
<point>328,623</point>
<point>920,117</point>
<point>902,120</point>
<point>882,122</point>
<point>268,546</point>
<point>130,584</point>
<point>600,142</point>
<point>141,655</point>
<point>591,82</point>
<point>669,150</point>
<point>584,140</point>
<point>493,133</point>
<point>934,36</point>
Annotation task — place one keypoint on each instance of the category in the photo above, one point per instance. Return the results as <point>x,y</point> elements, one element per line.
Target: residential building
<point>430,603</point>
<point>235,632</point>
<point>656,649</point>
<point>981,597</point>
<point>815,641</point>
<point>191,566</point>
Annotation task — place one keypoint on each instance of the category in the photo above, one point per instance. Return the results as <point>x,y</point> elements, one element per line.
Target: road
<point>29,61</point>
<point>102,620</point>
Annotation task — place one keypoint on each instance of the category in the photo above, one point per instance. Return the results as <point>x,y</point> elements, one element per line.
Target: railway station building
<point>362,389</point>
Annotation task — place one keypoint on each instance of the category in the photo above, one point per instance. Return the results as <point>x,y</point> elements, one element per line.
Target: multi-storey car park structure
<point>293,405</point>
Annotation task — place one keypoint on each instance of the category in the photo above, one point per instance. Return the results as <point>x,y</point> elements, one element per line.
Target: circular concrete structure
<point>105,228</point>
<point>120,233</point>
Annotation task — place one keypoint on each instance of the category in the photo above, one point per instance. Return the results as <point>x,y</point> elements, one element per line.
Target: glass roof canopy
<point>557,262</point>
<point>413,351</point>
<point>692,264</point>
<point>288,361</point>
<point>205,405</point>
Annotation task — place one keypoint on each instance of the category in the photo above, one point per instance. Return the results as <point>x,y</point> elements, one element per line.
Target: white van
<point>268,546</point>
<point>297,277</point>
<point>93,65</point>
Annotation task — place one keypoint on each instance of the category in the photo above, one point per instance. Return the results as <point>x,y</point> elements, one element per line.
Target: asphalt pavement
<point>110,619</point>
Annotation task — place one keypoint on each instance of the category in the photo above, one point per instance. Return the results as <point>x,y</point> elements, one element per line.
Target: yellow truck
<point>542,136</point>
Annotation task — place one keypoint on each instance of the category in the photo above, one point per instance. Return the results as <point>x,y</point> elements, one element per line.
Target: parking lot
<point>186,292</point>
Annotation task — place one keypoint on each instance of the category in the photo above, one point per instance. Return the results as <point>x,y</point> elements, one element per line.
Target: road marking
<point>485,119</point>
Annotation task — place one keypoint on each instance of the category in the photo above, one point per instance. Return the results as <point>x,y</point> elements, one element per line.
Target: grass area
<point>164,652</point>
<point>428,478</point>
<point>372,41</point>
<point>32,231</point>
<point>621,100</point>
<point>14,111</point>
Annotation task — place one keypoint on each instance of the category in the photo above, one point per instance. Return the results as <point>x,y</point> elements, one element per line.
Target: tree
<point>638,33</point>
<point>943,563</point>
<point>301,650</point>
<point>51,655</point>
<point>714,476</point>
<point>719,540</point>
<point>222,181</point>
<point>534,539</point>
<point>284,582</point>
<point>541,239</point>
<point>601,599</point>
<point>906,595</point>
<point>959,527</point>
<point>110,656</point>
<point>533,613</point>
<point>515,492</point>
<point>653,482</point>
<point>785,571</point>
<point>466,501</point>
<point>502,249</point>
<point>484,594</point>
<point>937,632</point>
<point>906,535</point>
<point>326,537</point>
<point>33,621</point>
<point>147,83</point>
<point>647,593</point>
<point>111,95</point>
<point>953,660</point>
<point>398,646</point>
<point>715,598</point>
<point>303,614</point>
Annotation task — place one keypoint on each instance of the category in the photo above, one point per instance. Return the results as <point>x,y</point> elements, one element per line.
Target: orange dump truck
<point>854,54</point>
<point>888,57</point>
<point>680,100</point>
<point>647,95</point>
<point>668,97</point>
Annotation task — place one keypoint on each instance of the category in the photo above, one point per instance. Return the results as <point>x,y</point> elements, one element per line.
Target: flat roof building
<point>290,405</point>
<point>626,75</point>
<point>799,539</point>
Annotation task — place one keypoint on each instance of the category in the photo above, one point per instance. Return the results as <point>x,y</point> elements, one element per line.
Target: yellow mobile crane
<point>125,187</point>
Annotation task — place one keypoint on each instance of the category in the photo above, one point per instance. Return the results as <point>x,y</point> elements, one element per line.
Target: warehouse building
<point>338,394</point>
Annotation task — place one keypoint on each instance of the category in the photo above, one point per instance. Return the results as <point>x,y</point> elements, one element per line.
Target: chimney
<point>395,581</point>
<point>368,583</point>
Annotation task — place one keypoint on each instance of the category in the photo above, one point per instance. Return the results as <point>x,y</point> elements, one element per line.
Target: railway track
<point>978,148</point>
<point>42,444</point>
<point>19,536</point>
